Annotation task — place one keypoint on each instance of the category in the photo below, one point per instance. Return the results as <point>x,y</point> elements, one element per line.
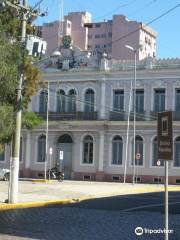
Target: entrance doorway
<point>64,145</point>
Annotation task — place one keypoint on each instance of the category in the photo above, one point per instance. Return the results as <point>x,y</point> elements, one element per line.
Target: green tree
<point>10,62</point>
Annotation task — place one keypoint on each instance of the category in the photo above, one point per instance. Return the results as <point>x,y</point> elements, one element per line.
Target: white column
<point>101,152</point>
<point>28,151</point>
<point>102,105</point>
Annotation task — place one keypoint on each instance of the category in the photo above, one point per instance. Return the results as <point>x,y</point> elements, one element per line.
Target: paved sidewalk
<point>39,193</point>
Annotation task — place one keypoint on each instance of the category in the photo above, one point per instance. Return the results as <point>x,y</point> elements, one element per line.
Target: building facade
<point>88,113</point>
<point>110,36</point>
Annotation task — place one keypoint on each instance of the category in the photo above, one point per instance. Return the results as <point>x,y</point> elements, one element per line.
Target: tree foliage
<point>9,71</point>
<point>11,58</point>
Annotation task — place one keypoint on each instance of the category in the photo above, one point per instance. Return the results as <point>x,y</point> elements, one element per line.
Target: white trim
<point>81,150</point>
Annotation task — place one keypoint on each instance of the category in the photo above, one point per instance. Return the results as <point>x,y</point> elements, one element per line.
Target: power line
<point>142,8</point>
<point>148,23</point>
<point>115,9</point>
<point>137,29</point>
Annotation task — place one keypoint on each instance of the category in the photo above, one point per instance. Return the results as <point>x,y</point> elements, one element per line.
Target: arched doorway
<point>64,144</point>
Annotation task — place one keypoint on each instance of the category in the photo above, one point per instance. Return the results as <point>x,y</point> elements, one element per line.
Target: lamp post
<point>134,108</point>
<point>47,135</point>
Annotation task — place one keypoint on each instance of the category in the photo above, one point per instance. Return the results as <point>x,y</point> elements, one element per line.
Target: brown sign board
<point>164,136</point>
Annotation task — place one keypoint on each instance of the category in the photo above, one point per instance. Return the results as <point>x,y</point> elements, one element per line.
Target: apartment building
<point>88,121</point>
<point>109,36</point>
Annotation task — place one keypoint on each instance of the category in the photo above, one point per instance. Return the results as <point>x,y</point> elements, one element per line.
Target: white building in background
<point>88,121</point>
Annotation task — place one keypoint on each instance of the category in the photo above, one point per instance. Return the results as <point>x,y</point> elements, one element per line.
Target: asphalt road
<point>153,202</point>
<point>110,218</point>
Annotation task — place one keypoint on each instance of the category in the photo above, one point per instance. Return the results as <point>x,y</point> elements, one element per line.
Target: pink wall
<point>78,31</point>
<point>104,36</point>
<point>100,36</point>
<point>50,34</point>
<point>122,27</point>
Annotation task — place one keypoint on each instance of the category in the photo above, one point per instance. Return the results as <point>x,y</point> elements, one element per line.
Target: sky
<point>167,27</point>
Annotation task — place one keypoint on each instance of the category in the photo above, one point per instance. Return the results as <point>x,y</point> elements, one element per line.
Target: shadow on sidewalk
<point>65,221</point>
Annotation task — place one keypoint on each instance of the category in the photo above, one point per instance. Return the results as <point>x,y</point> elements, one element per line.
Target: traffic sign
<point>50,150</point>
<point>158,163</point>
<point>138,156</point>
<point>165,141</point>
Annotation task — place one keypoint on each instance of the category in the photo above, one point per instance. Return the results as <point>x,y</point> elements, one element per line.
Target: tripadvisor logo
<point>139,231</point>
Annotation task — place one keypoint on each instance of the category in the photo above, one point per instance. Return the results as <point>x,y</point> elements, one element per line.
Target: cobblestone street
<point>71,223</point>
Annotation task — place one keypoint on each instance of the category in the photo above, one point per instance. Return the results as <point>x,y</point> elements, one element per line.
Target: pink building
<point>110,36</point>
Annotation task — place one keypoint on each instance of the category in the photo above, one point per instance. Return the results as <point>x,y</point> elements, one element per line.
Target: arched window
<point>117,150</point>
<point>43,101</point>
<point>155,153</point>
<point>138,150</point>
<point>88,149</point>
<point>177,152</point>
<point>61,101</point>
<point>41,148</point>
<point>65,138</point>
<point>2,153</point>
<point>89,100</point>
<point>72,101</point>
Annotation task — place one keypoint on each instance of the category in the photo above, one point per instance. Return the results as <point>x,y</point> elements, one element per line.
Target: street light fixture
<point>134,108</point>
<point>56,53</point>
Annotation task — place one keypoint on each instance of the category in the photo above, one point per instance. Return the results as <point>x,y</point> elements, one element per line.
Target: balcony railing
<point>117,116</point>
<point>176,115</point>
<point>140,116</point>
<point>54,116</point>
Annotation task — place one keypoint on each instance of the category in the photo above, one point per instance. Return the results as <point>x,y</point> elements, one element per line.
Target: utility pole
<point>14,163</point>
<point>26,14</point>
<point>47,135</point>
<point>134,50</point>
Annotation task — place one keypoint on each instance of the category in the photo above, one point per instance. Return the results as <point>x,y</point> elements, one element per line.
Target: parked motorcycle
<point>54,173</point>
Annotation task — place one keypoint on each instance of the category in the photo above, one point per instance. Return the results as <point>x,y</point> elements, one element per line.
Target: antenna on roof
<point>61,22</point>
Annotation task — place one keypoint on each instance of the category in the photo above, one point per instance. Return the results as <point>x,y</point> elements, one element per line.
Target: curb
<point>36,204</point>
<point>139,190</point>
<point>41,181</point>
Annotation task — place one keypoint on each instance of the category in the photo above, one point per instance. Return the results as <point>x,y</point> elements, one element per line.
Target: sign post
<point>165,152</point>
<point>61,158</point>
<point>138,157</point>
<point>158,164</point>
<point>50,153</point>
